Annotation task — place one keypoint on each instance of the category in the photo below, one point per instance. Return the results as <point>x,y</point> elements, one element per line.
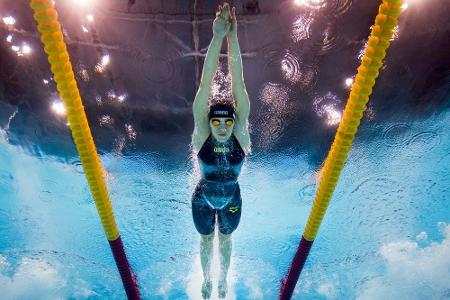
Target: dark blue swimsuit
<point>218,191</point>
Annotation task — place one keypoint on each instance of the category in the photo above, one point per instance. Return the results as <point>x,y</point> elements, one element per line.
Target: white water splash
<point>413,272</point>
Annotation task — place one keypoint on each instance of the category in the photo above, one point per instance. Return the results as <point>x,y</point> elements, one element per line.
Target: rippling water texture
<point>390,211</point>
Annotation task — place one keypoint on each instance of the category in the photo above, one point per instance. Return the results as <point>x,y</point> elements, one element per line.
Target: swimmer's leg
<point>228,219</point>
<point>225,246</point>
<point>206,251</point>
<point>204,219</point>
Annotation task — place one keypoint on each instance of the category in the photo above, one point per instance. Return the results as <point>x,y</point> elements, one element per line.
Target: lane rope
<point>379,40</point>
<point>58,57</point>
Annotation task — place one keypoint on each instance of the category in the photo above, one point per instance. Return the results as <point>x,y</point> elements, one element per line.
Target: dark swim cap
<point>221,110</point>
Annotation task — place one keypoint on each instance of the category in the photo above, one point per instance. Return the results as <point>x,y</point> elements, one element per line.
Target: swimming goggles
<point>217,122</point>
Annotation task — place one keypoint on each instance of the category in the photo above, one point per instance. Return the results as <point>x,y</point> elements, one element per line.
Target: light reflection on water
<point>331,8</point>
<point>301,28</point>
<point>290,67</point>
<point>275,98</point>
<point>327,107</point>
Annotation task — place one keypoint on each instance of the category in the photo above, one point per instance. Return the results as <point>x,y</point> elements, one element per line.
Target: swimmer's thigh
<point>203,215</point>
<point>230,215</point>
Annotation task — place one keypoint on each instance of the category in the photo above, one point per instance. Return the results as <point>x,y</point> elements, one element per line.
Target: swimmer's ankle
<point>222,287</point>
<point>206,289</point>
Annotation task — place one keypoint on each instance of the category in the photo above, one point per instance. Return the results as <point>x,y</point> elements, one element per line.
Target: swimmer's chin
<point>222,138</point>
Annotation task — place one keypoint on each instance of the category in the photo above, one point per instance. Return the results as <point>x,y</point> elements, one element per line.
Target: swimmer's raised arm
<point>238,85</point>
<point>221,27</point>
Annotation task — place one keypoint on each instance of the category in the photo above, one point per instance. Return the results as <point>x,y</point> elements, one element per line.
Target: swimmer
<point>221,141</point>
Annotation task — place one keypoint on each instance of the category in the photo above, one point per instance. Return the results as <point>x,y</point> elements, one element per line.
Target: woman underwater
<point>221,141</point>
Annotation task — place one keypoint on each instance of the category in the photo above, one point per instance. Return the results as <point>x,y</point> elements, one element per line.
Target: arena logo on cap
<point>221,112</point>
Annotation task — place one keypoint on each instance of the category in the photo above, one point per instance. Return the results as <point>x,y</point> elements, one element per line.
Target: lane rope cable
<point>382,32</point>
<point>58,57</point>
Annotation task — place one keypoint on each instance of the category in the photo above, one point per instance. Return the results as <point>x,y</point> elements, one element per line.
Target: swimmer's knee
<point>226,229</point>
<point>207,237</point>
<point>224,236</point>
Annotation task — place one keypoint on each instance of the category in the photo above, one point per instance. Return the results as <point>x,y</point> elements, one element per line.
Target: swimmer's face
<point>221,128</point>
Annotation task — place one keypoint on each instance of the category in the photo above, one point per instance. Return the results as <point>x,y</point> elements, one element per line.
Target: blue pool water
<point>386,234</point>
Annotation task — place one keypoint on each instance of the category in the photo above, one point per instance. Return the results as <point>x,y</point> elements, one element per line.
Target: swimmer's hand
<point>233,23</point>
<point>221,24</point>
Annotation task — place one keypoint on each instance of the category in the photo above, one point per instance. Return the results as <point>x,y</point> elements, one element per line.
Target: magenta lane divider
<point>289,282</point>
<point>128,278</point>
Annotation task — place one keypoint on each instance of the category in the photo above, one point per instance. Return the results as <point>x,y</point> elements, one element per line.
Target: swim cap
<point>221,110</point>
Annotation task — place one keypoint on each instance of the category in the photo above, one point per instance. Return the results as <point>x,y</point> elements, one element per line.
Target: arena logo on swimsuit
<point>233,209</point>
<point>221,149</point>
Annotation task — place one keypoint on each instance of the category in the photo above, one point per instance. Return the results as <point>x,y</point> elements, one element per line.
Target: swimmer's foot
<point>223,288</point>
<point>206,289</point>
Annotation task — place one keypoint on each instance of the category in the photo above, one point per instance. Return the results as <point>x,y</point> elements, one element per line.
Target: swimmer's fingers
<point>219,11</point>
<point>221,25</point>
<point>233,15</point>
<point>233,23</point>
<point>225,11</point>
